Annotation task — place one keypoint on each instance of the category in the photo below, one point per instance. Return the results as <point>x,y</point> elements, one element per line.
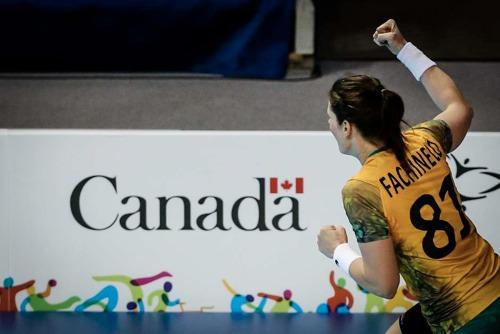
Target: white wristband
<point>344,256</point>
<point>415,60</point>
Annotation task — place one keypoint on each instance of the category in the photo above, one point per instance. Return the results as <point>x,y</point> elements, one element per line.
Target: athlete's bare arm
<point>455,110</point>
<point>377,270</point>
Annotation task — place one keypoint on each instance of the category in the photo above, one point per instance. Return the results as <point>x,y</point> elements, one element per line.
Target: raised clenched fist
<point>388,34</point>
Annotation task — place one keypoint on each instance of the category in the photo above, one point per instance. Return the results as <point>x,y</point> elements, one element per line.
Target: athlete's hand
<point>389,35</point>
<point>329,238</point>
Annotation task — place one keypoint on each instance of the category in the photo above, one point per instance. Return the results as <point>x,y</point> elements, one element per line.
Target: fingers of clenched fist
<point>388,34</point>
<point>385,32</point>
<point>387,26</point>
<point>329,238</point>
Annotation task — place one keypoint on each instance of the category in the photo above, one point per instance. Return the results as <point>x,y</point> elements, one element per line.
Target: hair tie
<point>382,110</point>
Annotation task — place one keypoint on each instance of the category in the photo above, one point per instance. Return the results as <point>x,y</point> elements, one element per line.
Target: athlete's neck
<point>364,149</point>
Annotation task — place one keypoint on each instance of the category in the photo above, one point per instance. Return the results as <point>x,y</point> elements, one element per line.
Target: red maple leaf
<point>286,185</point>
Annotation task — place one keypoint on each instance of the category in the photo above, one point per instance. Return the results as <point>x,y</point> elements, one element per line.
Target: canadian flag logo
<point>286,185</point>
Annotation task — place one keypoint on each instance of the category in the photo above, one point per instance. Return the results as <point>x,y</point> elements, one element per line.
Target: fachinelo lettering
<point>419,162</point>
<point>184,214</point>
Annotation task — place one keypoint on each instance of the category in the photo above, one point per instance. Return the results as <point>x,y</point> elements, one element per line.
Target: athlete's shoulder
<point>437,129</point>
<point>363,191</point>
<point>357,185</point>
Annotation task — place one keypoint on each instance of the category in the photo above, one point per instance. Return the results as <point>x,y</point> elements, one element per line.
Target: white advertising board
<point>192,221</point>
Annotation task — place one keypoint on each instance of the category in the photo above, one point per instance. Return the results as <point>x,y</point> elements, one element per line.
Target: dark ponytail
<point>376,111</point>
<point>390,131</point>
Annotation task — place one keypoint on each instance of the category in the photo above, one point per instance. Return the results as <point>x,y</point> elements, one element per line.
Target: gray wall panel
<point>222,104</point>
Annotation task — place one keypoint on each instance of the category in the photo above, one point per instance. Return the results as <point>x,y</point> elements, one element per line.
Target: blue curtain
<point>234,38</point>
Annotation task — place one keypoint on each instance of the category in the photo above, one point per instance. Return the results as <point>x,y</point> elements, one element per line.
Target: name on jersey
<point>419,162</point>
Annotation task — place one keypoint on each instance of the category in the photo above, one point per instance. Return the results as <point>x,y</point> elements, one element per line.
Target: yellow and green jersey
<point>446,264</point>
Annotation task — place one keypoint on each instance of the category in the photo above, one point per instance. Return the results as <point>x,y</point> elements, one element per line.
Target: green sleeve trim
<point>363,207</point>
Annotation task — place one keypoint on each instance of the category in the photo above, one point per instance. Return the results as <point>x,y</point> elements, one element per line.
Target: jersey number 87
<point>436,223</point>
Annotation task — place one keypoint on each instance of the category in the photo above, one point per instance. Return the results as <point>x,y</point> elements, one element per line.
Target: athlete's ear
<point>347,128</point>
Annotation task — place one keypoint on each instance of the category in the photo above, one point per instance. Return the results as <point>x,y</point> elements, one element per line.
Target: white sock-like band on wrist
<point>344,256</point>
<point>415,60</point>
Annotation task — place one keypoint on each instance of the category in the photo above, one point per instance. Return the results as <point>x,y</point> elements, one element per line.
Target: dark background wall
<point>244,38</point>
<point>447,30</point>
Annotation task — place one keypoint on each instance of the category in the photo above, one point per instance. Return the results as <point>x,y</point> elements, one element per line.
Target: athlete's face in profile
<point>335,127</point>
